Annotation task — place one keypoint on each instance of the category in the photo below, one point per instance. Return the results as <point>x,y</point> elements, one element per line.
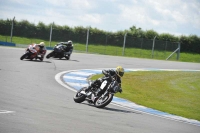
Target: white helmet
<point>42,44</point>
<point>69,43</point>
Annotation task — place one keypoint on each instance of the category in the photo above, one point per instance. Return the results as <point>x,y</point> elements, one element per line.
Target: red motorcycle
<point>32,53</point>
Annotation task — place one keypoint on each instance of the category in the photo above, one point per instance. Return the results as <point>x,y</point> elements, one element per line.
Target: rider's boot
<point>41,58</point>
<point>89,101</point>
<point>68,56</point>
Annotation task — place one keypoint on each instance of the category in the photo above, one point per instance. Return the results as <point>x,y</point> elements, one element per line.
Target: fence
<point>132,47</point>
<point>124,45</point>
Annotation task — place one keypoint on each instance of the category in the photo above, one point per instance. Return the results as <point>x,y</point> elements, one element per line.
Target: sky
<point>176,17</point>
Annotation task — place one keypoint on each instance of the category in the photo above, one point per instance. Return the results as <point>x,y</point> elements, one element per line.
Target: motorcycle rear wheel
<point>78,97</point>
<point>67,57</point>
<point>101,102</point>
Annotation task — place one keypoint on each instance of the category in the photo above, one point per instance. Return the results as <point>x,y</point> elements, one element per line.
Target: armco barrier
<point>19,45</point>
<point>7,44</point>
<point>22,45</point>
<point>49,48</point>
<point>25,46</point>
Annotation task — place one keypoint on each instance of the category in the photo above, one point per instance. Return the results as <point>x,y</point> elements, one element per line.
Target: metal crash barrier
<point>7,44</point>
<point>19,45</point>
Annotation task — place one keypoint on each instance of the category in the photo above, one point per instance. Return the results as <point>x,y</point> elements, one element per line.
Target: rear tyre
<point>78,97</point>
<point>67,57</point>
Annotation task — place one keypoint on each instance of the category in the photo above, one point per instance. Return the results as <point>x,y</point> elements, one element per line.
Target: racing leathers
<point>68,50</point>
<point>107,73</point>
<point>42,51</point>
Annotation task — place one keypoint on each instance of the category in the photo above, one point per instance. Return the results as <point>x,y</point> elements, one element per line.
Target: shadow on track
<point>38,61</point>
<point>65,59</point>
<point>113,109</point>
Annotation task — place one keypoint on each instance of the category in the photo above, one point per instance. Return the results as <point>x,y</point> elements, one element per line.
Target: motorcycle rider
<point>42,50</point>
<point>117,74</point>
<point>68,49</point>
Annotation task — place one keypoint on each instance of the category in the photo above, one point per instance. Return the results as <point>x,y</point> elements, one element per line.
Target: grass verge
<point>177,93</point>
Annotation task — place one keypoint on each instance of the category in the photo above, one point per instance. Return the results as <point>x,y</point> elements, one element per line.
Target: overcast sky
<point>177,17</point>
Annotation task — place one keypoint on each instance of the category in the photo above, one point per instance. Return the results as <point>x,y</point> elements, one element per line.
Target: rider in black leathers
<point>68,49</point>
<point>117,74</point>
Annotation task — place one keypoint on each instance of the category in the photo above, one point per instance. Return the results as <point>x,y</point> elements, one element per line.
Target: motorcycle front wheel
<point>78,97</point>
<point>103,101</point>
<point>24,56</point>
<point>50,55</point>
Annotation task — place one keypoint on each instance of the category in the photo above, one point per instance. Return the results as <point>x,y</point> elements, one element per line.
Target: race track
<point>31,100</point>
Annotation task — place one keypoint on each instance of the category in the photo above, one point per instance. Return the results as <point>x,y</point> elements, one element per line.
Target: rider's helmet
<point>41,44</point>
<point>69,43</point>
<point>119,71</point>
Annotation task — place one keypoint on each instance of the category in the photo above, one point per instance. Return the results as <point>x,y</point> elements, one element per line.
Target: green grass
<point>177,93</point>
<point>112,50</point>
<point>139,53</point>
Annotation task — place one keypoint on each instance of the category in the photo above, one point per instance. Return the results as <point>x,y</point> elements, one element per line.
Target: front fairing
<point>59,48</point>
<point>114,87</point>
<point>27,51</point>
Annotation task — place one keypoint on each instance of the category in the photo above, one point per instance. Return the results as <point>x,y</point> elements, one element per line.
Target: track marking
<point>6,112</point>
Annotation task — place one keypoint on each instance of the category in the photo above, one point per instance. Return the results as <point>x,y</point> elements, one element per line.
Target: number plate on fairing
<point>103,84</point>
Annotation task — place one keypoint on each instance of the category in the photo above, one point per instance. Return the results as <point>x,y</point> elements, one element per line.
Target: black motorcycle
<point>58,52</point>
<point>99,95</point>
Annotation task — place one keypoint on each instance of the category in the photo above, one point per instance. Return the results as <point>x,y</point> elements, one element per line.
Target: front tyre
<point>24,56</point>
<point>103,101</point>
<point>50,55</point>
<point>78,97</point>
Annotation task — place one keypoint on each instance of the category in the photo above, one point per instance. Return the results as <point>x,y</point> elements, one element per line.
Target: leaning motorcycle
<point>108,88</point>
<point>28,55</point>
<point>58,52</point>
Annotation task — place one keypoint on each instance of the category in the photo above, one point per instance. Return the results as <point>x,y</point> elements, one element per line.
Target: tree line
<point>24,28</point>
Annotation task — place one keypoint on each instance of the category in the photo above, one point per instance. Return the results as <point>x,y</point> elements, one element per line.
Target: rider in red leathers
<point>38,49</point>
<point>42,50</point>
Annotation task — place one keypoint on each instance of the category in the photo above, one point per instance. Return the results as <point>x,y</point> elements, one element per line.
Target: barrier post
<point>12,29</point>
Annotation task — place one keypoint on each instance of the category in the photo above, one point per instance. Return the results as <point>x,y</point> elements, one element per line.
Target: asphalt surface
<point>31,101</point>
